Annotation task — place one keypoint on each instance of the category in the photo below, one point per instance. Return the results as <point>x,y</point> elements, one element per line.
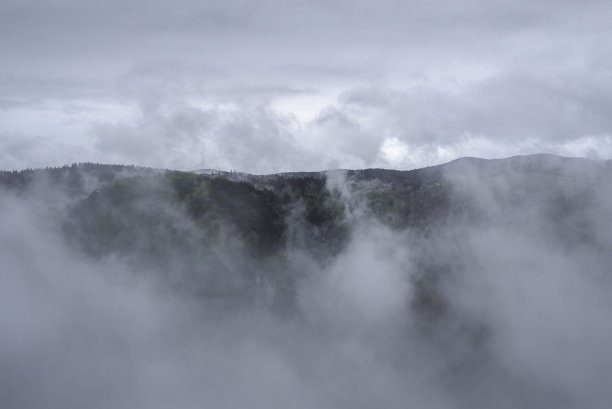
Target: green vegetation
<point>225,234</point>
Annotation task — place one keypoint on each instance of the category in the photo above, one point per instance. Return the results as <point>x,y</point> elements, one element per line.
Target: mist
<point>502,305</point>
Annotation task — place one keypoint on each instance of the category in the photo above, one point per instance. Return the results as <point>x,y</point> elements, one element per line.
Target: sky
<point>267,86</point>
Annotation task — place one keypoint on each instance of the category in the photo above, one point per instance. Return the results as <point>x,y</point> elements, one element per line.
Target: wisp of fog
<point>505,306</point>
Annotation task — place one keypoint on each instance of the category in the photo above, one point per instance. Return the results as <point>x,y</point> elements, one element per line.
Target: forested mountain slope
<point>184,224</point>
<point>477,283</point>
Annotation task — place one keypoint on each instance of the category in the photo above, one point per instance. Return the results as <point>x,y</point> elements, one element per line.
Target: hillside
<point>188,222</point>
<point>465,280</point>
<point>127,199</point>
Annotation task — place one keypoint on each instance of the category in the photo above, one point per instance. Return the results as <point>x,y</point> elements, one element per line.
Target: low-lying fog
<point>504,313</point>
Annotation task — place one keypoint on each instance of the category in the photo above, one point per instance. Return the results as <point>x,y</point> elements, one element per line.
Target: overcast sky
<point>278,85</point>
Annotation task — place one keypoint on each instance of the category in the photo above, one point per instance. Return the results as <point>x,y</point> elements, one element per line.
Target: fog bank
<point>509,309</point>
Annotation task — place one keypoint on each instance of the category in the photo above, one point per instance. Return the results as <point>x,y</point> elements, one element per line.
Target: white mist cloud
<point>507,313</point>
<point>332,81</point>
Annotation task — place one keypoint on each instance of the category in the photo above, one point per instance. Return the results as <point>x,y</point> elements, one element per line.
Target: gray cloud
<point>436,79</point>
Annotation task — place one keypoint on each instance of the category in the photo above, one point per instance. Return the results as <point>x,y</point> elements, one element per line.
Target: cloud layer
<point>272,85</point>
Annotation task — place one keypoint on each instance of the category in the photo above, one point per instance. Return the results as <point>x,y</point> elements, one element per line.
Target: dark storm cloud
<point>411,77</point>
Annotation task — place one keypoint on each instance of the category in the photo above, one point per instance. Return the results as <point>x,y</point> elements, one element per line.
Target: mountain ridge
<point>531,158</point>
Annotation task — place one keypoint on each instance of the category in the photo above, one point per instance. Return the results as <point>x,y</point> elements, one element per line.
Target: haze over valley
<point>477,283</point>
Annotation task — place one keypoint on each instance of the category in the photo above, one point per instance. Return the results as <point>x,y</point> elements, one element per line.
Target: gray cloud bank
<point>271,85</point>
<point>506,311</point>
